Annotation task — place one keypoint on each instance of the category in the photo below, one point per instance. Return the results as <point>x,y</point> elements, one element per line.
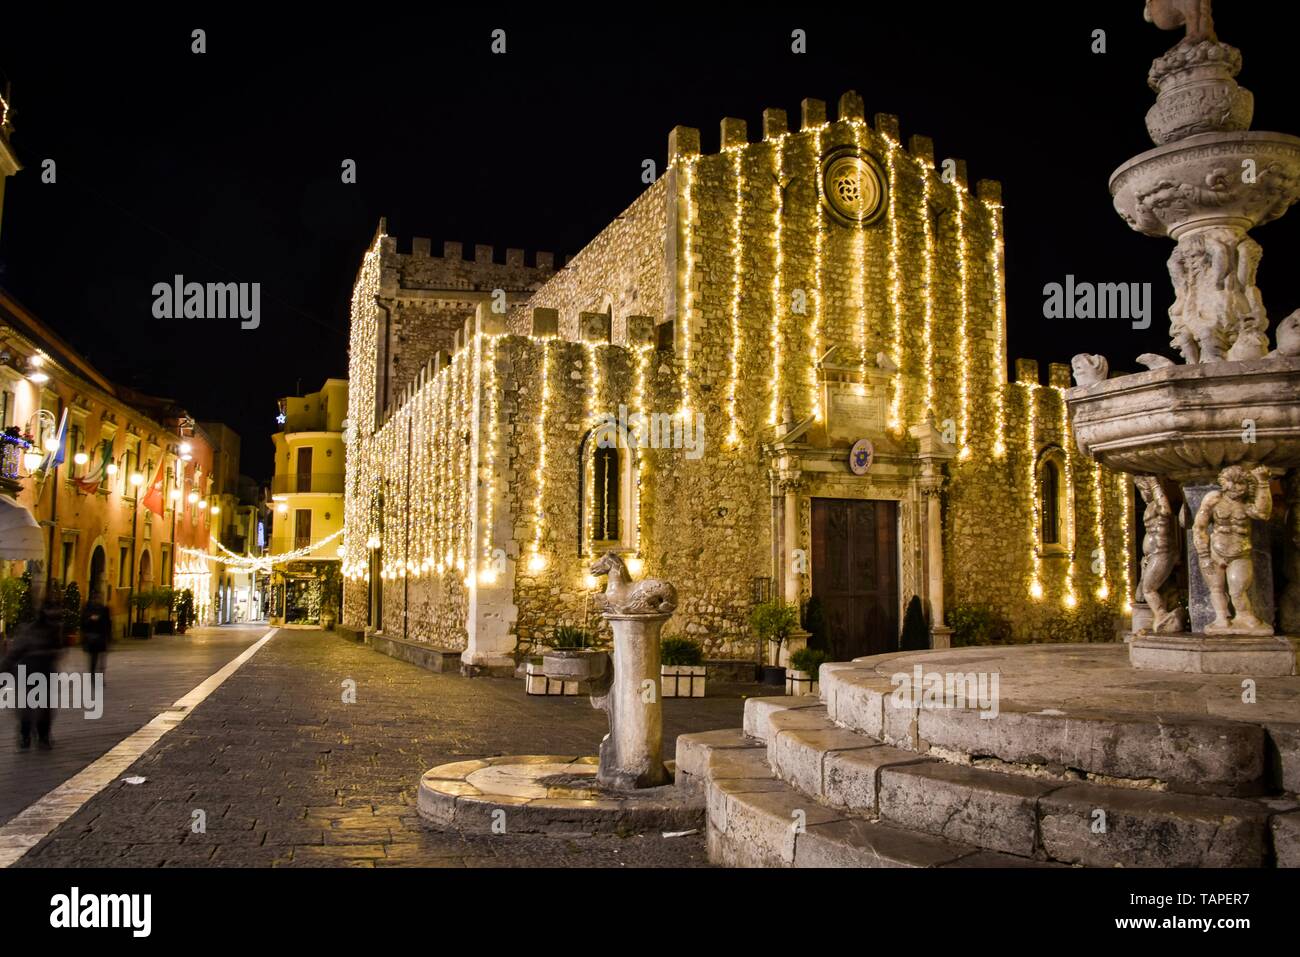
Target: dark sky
<point>225,166</point>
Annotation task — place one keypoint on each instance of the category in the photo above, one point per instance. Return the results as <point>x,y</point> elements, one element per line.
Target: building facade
<point>782,371</point>
<point>92,498</point>
<point>307,494</point>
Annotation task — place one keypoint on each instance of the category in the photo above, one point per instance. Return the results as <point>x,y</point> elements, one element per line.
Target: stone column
<point>932,490</point>
<point>631,756</point>
<point>1199,610</point>
<point>791,485</point>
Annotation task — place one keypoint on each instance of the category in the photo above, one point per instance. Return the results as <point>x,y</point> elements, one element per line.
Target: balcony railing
<point>330,482</point>
<point>12,448</point>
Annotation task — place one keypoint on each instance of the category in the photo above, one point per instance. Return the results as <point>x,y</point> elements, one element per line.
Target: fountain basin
<point>1187,422</point>
<point>1201,181</point>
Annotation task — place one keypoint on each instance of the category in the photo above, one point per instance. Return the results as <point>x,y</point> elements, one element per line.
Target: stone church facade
<point>687,391</point>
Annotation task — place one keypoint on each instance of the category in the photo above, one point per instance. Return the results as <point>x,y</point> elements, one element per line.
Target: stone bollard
<point>631,756</point>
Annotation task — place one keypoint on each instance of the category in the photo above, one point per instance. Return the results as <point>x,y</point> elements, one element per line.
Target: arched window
<point>607,489</point>
<point>1048,494</point>
<point>1053,502</point>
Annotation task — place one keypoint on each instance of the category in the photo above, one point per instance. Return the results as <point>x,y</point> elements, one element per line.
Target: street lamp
<point>81,458</point>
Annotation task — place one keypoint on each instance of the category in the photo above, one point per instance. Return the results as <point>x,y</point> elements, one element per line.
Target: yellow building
<point>307,491</point>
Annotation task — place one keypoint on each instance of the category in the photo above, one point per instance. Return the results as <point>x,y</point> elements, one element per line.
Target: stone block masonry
<point>735,300</point>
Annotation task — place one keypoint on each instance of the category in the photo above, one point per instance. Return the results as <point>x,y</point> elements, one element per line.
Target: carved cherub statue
<point>1159,555</point>
<point>1221,536</point>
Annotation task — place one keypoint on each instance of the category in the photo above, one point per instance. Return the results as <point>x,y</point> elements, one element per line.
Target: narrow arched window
<point>605,488</point>
<point>1049,497</point>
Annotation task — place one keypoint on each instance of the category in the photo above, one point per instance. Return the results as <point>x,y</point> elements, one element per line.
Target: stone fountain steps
<point>867,803</point>
<point>751,818</point>
<point>1177,751</point>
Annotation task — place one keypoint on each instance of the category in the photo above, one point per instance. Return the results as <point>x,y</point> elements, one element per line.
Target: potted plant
<point>681,670</point>
<point>71,612</point>
<point>773,622</point>
<point>164,598</point>
<point>15,602</point>
<point>329,614</point>
<point>572,660</point>
<point>141,602</point>
<point>802,676</point>
<point>183,606</point>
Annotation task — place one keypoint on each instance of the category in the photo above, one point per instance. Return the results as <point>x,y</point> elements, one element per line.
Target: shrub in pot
<point>164,598</point>
<point>71,612</point>
<point>802,676</point>
<point>773,622</point>
<point>141,602</point>
<point>681,668</point>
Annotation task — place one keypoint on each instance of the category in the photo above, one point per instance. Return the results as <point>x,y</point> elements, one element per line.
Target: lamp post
<point>136,479</point>
<point>175,496</point>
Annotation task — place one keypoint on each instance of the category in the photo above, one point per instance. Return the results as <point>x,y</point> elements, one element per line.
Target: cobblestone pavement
<point>288,774</point>
<point>141,678</point>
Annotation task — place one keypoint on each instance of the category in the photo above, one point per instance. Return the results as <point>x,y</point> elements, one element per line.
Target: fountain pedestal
<point>631,755</point>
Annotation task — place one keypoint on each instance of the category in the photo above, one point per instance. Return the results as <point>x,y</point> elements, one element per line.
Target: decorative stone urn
<point>631,755</point>
<point>1225,423</point>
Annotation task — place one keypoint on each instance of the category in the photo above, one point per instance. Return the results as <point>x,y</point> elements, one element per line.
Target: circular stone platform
<point>548,794</point>
<point>1092,678</point>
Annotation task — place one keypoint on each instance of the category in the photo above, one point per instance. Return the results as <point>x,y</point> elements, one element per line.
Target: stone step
<point>1011,813</point>
<point>1183,752</point>
<point>755,820</point>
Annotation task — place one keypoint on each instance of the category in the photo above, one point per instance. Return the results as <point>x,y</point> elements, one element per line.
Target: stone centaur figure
<point>622,597</point>
<point>1172,14</point>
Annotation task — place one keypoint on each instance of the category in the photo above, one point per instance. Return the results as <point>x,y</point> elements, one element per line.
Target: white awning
<point>21,537</point>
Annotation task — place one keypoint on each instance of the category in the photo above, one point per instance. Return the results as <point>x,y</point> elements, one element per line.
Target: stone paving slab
<point>331,784</point>
<point>141,679</point>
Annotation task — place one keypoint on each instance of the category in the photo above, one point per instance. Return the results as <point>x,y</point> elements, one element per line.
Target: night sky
<point>226,166</point>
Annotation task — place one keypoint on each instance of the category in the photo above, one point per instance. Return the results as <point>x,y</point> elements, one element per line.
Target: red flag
<point>153,499</point>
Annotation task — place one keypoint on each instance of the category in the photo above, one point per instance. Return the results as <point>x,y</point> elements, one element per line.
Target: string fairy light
<point>536,560</point>
<point>963,319</point>
<point>927,284</point>
<point>487,358</point>
<point>999,327</point>
<point>860,268</point>
<point>589,463</point>
<point>737,281</point>
<point>895,291</point>
<point>819,241</point>
<point>778,307</point>
<point>688,279</point>
<point>1071,599</point>
<point>1125,503</point>
<point>1099,528</point>
<point>1031,442</point>
<point>638,403</point>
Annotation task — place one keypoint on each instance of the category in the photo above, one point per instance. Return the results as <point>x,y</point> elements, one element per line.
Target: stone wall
<point>621,272</point>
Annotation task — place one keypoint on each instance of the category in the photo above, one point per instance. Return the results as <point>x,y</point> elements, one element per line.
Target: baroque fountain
<point>1209,437</point>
